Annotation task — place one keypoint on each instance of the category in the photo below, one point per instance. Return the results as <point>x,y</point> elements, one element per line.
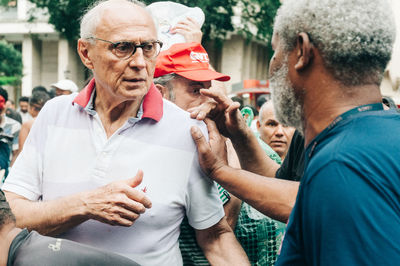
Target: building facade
<point>46,56</point>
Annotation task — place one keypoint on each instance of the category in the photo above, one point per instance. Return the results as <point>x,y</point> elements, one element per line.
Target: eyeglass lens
<point>124,50</point>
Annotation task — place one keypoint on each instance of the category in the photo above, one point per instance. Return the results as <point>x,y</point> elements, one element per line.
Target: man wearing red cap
<point>183,70</point>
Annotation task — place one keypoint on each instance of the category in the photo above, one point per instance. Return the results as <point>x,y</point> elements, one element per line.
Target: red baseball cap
<point>188,60</point>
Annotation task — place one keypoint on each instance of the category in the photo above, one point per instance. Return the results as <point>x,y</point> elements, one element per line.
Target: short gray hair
<point>93,15</point>
<point>166,82</point>
<point>355,37</point>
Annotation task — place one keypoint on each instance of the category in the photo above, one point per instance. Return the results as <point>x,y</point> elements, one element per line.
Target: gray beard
<point>288,109</point>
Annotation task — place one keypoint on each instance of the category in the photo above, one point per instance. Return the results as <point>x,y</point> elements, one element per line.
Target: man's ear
<point>258,124</point>
<point>83,52</point>
<point>164,91</point>
<point>304,51</point>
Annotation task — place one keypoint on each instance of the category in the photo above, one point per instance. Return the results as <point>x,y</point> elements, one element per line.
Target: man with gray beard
<point>329,59</point>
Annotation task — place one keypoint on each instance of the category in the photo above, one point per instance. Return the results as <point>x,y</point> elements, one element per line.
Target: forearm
<point>220,245</point>
<point>273,197</point>
<point>232,211</point>
<point>48,217</point>
<point>251,155</point>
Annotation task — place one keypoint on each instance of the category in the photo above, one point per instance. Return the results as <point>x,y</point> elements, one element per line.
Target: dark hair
<point>239,100</point>
<point>261,100</point>
<point>4,93</point>
<point>6,215</point>
<point>39,97</point>
<point>24,99</point>
<point>39,88</point>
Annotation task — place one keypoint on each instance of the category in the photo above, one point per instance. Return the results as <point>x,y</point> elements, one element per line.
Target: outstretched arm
<point>273,197</point>
<point>117,203</point>
<point>232,125</point>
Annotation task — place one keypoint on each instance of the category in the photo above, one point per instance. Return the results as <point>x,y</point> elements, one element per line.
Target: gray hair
<point>355,37</point>
<point>93,15</point>
<point>166,82</point>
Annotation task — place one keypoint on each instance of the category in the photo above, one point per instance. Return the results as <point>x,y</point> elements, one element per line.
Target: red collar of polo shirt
<point>152,103</point>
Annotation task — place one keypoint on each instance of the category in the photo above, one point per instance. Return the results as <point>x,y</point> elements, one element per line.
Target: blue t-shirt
<point>347,210</point>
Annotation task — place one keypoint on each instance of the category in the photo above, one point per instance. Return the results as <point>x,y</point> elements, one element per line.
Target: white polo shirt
<point>67,151</point>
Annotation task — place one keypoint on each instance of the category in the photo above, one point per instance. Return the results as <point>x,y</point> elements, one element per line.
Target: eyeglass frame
<point>115,44</point>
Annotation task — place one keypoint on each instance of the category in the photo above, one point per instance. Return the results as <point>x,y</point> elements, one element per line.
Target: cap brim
<point>203,75</point>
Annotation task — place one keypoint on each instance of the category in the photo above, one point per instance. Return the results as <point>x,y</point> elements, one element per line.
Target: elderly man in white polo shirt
<point>115,166</point>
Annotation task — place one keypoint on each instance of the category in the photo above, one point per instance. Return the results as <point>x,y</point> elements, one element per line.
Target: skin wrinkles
<point>189,92</point>
<point>121,80</point>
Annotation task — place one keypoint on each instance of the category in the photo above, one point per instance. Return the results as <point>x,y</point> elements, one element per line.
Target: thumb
<point>134,182</point>
<point>201,143</point>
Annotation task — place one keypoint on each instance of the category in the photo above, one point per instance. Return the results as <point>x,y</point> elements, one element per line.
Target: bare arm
<point>251,155</point>
<point>232,210</point>
<point>232,125</point>
<point>220,245</point>
<point>23,134</point>
<point>233,206</point>
<point>117,203</point>
<point>273,197</point>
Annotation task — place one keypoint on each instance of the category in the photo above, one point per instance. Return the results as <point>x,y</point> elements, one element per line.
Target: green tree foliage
<point>65,16</point>
<point>10,64</point>
<point>261,14</point>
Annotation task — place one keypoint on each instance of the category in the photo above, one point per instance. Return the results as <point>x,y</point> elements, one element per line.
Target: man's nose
<point>137,60</point>
<point>279,131</point>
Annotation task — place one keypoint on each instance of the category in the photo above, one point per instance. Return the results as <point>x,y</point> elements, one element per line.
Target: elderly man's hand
<point>189,29</point>
<point>118,203</point>
<point>212,155</point>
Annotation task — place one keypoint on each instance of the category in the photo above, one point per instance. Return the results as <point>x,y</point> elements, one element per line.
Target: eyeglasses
<point>124,49</point>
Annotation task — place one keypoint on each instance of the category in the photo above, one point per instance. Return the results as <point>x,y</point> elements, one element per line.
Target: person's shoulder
<point>174,113</point>
<point>28,124</point>
<point>62,100</point>
<point>59,105</point>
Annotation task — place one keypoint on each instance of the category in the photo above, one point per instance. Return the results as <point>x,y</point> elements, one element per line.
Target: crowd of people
<point>16,122</point>
<point>151,163</point>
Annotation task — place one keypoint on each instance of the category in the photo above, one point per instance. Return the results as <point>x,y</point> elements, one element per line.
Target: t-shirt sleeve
<point>25,175</point>
<point>35,249</point>
<point>203,204</point>
<point>338,208</point>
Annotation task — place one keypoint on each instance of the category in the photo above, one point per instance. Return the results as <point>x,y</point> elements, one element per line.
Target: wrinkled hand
<point>225,114</point>
<point>189,29</point>
<point>117,203</point>
<point>212,155</point>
